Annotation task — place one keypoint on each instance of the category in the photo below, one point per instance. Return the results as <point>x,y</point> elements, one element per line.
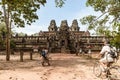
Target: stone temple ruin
<point>60,39</point>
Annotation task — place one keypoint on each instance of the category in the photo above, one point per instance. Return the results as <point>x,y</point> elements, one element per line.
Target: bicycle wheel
<point>97,69</point>
<point>115,72</point>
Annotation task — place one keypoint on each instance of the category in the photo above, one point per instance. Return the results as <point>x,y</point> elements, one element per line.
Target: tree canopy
<point>109,18</point>
<point>108,23</point>
<point>20,13</point>
<point>59,3</point>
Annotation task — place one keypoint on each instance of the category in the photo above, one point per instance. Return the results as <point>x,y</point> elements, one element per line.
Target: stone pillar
<point>21,56</point>
<point>31,55</point>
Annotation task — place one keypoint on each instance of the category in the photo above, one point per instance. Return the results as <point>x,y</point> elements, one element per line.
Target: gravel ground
<point>63,67</point>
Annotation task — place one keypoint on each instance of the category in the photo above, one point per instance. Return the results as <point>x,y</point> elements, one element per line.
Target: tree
<point>59,3</point>
<point>116,41</point>
<point>108,23</point>
<point>3,30</point>
<point>2,35</point>
<point>110,14</point>
<point>20,13</point>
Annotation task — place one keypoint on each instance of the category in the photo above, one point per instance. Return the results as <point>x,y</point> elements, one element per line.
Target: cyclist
<point>106,58</point>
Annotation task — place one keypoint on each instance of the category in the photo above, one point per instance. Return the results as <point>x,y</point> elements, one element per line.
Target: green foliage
<point>98,5</point>
<point>108,23</point>
<point>110,6</point>
<point>108,20</point>
<point>21,34</point>
<point>116,40</point>
<point>23,12</point>
<point>12,44</point>
<point>88,21</point>
<point>59,3</point>
<point>2,40</point>
<point>19,13</point>
<point>2,43</point>
<point>3,30</point>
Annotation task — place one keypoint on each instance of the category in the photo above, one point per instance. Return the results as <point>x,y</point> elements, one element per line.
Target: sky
<point>72,9</point>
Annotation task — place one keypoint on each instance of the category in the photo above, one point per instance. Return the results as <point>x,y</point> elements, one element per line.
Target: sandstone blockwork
<point>61,39</point>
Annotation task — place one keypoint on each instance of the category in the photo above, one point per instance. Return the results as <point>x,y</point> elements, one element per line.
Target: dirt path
<point>63,67</point>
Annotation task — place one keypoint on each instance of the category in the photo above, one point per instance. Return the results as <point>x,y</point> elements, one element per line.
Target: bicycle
<point>112,72</point>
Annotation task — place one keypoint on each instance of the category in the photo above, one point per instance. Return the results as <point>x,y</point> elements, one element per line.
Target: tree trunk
<point>6,18</point>
<point>31,55</point>
<point>21,55</point>
<point>7,48</point>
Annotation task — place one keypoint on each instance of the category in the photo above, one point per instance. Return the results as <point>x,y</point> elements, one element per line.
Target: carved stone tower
<point>52,26</point>
<point>75,26</point>
<point>64,36</point>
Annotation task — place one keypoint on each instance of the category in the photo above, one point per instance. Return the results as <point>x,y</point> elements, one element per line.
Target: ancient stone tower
<point>74,26</point>
<point>52,26</point>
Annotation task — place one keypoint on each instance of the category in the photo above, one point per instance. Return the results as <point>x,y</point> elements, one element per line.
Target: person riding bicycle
<point>106,58</point>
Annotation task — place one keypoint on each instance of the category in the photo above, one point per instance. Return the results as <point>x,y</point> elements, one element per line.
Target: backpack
<point>43,53</point>
<point>113,53</point>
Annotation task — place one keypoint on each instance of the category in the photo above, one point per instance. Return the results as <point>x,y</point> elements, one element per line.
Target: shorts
<point>105,60</point>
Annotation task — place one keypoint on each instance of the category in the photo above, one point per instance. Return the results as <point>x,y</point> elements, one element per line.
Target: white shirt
<point>46,51</point>
<point>105,51</point>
